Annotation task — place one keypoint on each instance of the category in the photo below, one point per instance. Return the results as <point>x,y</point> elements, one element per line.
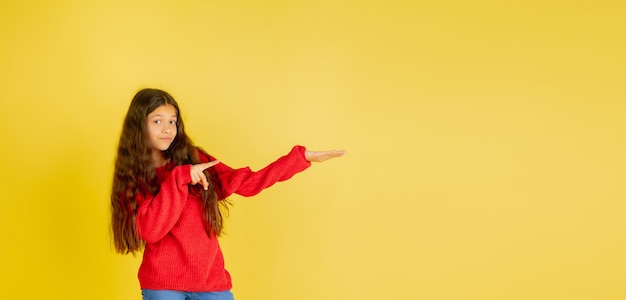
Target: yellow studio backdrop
<point>486,143</point>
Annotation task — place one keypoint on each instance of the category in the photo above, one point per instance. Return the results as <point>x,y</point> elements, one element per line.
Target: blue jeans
<point>178,295</point>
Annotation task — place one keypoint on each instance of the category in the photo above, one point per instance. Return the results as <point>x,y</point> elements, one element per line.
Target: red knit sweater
<point>179,254</point>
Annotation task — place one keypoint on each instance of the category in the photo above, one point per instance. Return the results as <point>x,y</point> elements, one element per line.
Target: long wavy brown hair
<point>135,172</point>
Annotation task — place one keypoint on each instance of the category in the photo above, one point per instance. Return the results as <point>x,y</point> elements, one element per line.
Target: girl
<point>166,199</point>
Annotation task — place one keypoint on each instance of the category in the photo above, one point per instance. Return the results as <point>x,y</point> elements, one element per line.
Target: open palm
<point>320,156</point>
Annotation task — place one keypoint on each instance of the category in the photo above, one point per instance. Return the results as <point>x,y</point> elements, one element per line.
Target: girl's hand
<point>197,174</point>
<point>320,156</point>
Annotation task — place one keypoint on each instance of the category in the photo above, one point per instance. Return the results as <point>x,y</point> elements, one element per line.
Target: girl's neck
<point>158,159</point>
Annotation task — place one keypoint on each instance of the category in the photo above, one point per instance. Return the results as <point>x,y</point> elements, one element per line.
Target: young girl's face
<point>161,127</point>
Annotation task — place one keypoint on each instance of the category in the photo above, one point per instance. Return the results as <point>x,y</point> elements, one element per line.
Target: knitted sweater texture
<point>179,254</point>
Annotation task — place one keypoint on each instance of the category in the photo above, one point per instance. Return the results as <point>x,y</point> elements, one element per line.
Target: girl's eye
<point>173,122</point>
<point>157,121</point>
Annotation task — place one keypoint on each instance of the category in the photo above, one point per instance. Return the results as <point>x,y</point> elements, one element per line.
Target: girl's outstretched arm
<point>246,182</point>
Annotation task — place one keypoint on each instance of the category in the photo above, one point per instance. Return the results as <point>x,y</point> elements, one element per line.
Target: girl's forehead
<point>166,109</point>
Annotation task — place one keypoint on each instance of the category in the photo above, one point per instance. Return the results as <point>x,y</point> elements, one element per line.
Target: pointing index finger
<point>207,165</point>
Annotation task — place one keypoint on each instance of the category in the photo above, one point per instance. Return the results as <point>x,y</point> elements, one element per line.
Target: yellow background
<point>486,143</point>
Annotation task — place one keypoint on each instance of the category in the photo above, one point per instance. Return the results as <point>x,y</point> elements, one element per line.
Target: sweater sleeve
<point>157,214</point>
<point>246,182</point>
